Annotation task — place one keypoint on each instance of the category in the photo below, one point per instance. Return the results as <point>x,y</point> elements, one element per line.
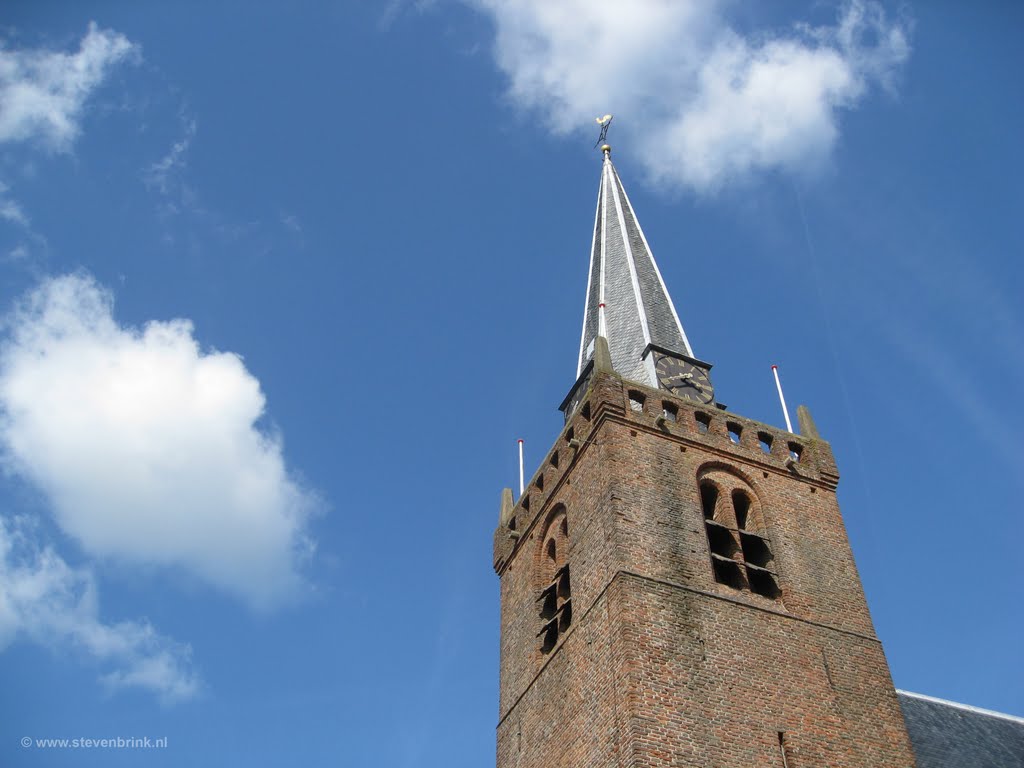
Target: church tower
<point>677,587</point>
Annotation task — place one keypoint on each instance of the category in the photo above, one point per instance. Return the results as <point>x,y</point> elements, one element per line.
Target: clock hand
<point>683,376</point>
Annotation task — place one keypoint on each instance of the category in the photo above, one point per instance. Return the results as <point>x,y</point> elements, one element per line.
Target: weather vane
<point>605,122</point>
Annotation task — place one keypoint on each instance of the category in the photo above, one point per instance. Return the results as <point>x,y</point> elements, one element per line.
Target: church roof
<point>950,735</point>
<point>627,301</point>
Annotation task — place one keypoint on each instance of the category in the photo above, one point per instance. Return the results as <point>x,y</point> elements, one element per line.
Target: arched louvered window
<point>741,552</point>
<point>555,601</point>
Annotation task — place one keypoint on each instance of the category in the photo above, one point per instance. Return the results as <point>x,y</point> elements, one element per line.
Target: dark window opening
<point>636,401</point>
<point>562,587</point>
<point>548,603</point>
<point>550,634</point>
<point>554,459</point>
<point>741,505</point>
<point>670,412</point>
<point>735,430</point>
<point>555,610</point>
<point>756,550</point>
<point>727,572</point>
<point>540,482</point>
<point>512,523</point>
<point>570,435</point>
<point>585,413</point>
<point>763,583</point>
<point>741,555</point>
<point>766,441</point>
<point>708,499</point>
<point>796,451</point>
<point>703,422</point>
<point>565,618</point>
<point>556,597</point>
<point>721,540</point>
<point>525,503</point>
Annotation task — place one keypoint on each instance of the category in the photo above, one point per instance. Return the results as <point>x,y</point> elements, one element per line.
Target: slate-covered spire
<point>627,301</point>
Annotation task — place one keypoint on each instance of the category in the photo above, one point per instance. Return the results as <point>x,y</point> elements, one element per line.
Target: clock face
<point>684,379</point>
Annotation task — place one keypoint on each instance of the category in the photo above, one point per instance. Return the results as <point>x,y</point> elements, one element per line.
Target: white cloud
<point>146,446</point>
<point>43,92</point>
<point>10,209</point>
<point>699,103</point>
<point>163,174</point>
<point>46,601</point>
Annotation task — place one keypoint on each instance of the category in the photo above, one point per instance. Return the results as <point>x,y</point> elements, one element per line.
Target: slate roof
<point>625,278</point>
<point>949,735</point>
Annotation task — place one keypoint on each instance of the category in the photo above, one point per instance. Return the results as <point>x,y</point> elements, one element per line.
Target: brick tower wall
<point>663,665</point>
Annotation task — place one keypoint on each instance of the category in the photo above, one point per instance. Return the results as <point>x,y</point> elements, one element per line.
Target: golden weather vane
<point>605,122</point>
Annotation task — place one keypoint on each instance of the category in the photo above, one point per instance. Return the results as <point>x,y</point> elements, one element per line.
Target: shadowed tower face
<point>677,588</point>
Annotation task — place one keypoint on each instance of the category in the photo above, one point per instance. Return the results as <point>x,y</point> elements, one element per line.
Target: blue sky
<point>283,284</point>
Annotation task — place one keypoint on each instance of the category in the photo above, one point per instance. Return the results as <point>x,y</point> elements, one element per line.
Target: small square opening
<point>636,401</point>
<point>703,422</point>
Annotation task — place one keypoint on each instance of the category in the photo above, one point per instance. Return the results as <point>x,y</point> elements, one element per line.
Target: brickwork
<point>663,665</point>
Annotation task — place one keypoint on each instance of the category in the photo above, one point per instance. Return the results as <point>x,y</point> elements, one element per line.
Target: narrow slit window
<point>554,459</point>
<point>708,499</point>
<point>539,482</point>
<point>741,506</point>
<point>585,413</point>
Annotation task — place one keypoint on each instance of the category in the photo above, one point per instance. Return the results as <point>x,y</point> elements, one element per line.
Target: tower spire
<point>627,302</point>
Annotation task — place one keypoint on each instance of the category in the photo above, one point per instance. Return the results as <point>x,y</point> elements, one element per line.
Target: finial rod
<point>782,399</point>
<point>521,485</point>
